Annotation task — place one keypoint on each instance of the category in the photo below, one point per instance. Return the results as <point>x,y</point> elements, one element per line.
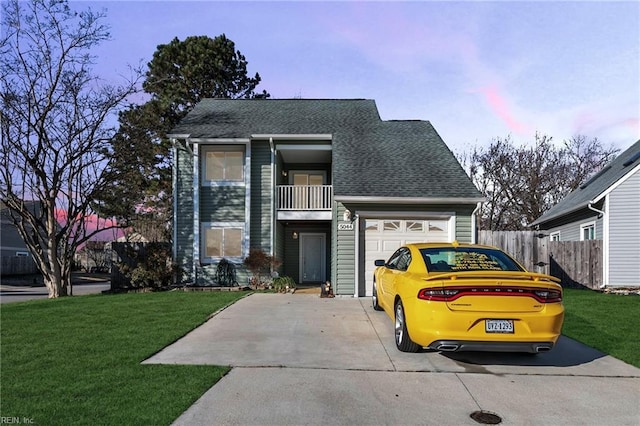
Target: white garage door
<point>382,237</point>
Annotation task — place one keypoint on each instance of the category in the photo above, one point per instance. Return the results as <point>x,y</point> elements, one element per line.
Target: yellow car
<point>467,297</point>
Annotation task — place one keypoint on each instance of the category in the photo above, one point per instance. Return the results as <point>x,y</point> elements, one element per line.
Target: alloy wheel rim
<point>399,323</point>
<point>375,295</point>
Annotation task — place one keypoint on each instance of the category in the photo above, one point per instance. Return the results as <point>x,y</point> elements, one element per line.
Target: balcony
<point>304,202</point>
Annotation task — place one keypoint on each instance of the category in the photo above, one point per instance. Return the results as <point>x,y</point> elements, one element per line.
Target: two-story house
<point>324,185</point>
<point>607,208</point>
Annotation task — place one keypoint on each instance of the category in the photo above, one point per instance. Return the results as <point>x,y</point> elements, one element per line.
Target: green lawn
<point>77,360</point>
<point>607,322</point>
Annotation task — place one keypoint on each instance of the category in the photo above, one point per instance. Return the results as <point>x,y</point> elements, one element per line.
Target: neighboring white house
<point>607,208</point>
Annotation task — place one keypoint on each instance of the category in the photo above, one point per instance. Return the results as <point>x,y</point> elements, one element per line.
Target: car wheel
<point>403,341</point>
<point>374,298</point>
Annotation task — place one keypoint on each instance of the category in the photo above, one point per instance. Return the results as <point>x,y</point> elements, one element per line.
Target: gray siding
<point>570,227</point>
<point>222,204</point>
<point>279,251</point>
<point>184,216</point>
<point>624,233</point>
<point>217,204</point>
<point>261,195</point>
<point>463,225</point>
<point>343,255</point>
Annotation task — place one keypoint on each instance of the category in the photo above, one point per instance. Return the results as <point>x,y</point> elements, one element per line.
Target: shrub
<point>226,274</point>
<point>148,265</point>
<point>260,264</point>
<point>283,284</point>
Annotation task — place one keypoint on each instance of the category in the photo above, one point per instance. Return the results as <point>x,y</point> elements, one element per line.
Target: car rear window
<point>456,259</point>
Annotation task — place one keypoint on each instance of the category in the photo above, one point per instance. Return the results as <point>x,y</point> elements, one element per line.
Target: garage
<point>382,237</point>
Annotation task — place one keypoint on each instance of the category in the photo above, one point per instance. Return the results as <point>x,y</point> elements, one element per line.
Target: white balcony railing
<point>304,197</point>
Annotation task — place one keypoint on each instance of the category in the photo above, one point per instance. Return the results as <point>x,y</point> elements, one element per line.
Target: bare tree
<point>521,183</point>
<point>97,255</point>
<point>54,127</point>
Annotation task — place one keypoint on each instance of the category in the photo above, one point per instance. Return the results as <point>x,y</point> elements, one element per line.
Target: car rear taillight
<point>452,293</point>
<point>437,295</point>
<point>548,296</point>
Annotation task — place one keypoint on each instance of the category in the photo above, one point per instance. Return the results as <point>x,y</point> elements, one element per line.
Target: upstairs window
<point>588,231</point>
<point>223,164</point>
<point>554,236</point>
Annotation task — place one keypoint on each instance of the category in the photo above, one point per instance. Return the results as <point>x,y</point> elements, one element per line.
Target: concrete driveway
<point>300,359</point>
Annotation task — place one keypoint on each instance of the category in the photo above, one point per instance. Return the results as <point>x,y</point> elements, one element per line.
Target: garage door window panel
<point>371,225</point>
<point>415,226</point>
<point>438,225</point>
<point>392,225</point>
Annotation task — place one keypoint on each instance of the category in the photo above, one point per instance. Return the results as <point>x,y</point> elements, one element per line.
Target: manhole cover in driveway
<point>486,417</point>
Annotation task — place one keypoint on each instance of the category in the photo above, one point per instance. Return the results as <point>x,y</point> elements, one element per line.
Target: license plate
<point>498,326</point>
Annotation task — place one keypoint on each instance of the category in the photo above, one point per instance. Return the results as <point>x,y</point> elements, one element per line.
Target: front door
<point>312,257</point>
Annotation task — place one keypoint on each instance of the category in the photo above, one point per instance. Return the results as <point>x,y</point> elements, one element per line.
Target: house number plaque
<point>348,226</point>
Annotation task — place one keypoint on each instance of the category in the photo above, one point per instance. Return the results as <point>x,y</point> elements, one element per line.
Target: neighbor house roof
<point>371,157</point>
<point>595,188</point>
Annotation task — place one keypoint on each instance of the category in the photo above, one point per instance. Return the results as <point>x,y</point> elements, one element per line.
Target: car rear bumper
<point>532,331</point>
<point>462,345</point>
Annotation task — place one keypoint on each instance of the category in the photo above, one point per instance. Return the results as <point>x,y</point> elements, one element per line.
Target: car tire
<point>403,341</point>
<point>374,297</point>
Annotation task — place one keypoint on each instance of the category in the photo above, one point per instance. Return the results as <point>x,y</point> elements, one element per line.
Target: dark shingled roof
<point>371,157</point>
<point>594,187</point>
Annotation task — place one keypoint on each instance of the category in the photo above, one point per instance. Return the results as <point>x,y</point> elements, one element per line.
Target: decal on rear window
<point>452,259</point>
<point>472,261</point>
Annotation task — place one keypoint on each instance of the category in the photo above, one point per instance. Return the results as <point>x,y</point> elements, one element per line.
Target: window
<point>371,225</point>
<point>415,226</point>
<point>223,164</point>
<point>400,259</point>
<point>404,260</point>
<point>554,236</point>
<point>392,225</point>
<point>22,254</point>
<point>467,259</point>
<point>588,231</point>
<point>438,225</point>
<point>222,241</point>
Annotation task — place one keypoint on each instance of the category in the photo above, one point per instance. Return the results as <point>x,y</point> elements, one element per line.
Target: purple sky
<point>476,69</point>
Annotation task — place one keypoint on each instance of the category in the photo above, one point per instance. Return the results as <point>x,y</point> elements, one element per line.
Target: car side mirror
<point>380,262</point>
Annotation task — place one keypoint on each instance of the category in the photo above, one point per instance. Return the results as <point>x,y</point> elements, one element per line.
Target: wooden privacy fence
<point>576,263</point>
<point>18,265</point>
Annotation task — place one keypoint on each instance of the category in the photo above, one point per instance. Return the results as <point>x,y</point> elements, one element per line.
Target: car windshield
<point>456,259</point>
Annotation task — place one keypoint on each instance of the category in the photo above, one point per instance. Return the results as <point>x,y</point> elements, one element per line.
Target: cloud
<point>94,223</point>
<point>503,109</point>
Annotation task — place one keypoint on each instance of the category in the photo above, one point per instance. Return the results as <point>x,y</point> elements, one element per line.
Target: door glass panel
<point>300,179</point>
<point>315,180</point>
